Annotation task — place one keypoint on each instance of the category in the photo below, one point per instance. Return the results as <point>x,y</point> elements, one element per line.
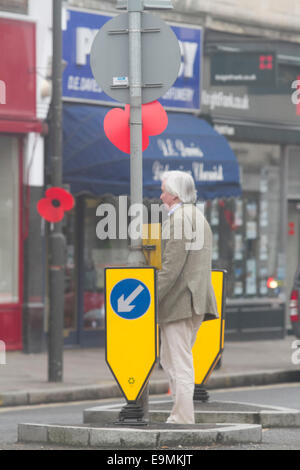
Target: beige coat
<point>184,282</point>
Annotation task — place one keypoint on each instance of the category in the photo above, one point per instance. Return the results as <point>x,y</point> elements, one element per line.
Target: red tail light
<point>294,306</point>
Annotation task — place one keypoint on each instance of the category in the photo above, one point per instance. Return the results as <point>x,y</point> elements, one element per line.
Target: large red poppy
<point>53,206</point>
<point>117,128</point>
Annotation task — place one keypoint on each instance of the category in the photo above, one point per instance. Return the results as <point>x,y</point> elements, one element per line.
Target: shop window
<point>294,173</point>
<point>9,220</point>
<point>97,255</point>
<point>246,230</point>
<point>70,299</point>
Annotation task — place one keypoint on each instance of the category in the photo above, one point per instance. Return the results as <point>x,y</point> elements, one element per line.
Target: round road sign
<point>130,299</point>
<point>161,58</point>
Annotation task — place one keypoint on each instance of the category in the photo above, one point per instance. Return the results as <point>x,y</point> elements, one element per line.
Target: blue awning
<point>91,163</point>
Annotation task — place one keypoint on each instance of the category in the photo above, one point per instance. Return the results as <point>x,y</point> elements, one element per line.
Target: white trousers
<point>176,358</point>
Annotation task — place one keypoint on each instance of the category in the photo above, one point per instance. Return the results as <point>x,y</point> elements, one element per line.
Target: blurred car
<point>294,305</point>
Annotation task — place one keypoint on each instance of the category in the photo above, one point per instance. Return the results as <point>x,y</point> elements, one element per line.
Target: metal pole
<point>56,238</point>
<point>135,8</point>
<point>136,256</point>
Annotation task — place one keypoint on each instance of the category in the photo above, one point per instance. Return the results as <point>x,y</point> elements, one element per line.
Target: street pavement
<point>86,376</point>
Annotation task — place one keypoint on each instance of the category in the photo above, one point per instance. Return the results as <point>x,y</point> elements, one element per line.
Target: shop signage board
<point>131,327</point>
<point>17,70</point>
<point>209,343</point>
<point>254,113</point>
<point>79,85</point>
<point>247,68</point>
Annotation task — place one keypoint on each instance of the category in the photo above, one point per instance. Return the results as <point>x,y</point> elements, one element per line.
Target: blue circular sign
<point>130,299</point>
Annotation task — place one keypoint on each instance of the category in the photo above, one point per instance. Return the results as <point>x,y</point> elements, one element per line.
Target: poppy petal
<point>64,197</point>
<point>48,212</point>
<point>116,128</point>
<point>155,118</point>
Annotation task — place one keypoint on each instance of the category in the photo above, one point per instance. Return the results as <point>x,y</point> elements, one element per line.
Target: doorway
<point>11,243</point>
<point>87,256</point>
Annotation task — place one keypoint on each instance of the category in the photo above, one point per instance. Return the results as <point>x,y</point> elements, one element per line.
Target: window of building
<point>97,255</point>
<point>246,229</point>
<point>9,220</point>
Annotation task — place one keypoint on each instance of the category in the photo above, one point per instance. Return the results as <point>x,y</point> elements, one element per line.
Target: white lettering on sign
<point>296,354</point>
<point>158,170</point>
<point>167,147</point>
<point>2,92</point>
<point>86,36</point>
<point>296,94</point>
<point>179,94</point>
<point>78,83</point>
<point>188,54</point>
<point>224,129</point>
<point>171,149</point>
<point>221,100</point>
<point>192,151</point>
<point>84,41</point>
<point>216,174</point>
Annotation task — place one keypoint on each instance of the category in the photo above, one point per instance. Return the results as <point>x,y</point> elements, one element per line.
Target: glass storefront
<point>245,236</point>
<point>87,256</point>
<point>97,255</point>
<point>69,229</point>
<point>246,229</point>
<point>9,220</point>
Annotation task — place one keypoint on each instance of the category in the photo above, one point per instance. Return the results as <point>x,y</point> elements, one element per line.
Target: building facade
<point>244,85</point>
<point>25,30</point>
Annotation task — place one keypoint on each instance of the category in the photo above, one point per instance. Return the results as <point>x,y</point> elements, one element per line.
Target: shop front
<point>251,104</point>
<point>254,112</point>
<point>99,174</point>
<point>17,120</point>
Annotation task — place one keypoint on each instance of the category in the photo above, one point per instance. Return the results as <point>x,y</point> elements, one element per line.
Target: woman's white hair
<point>180,184</point>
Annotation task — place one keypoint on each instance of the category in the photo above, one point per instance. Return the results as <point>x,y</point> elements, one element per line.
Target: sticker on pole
<point>130,299</point>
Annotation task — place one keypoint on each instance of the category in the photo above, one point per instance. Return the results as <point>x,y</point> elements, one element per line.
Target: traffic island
<point>152,436</point>
<point>207,413</point>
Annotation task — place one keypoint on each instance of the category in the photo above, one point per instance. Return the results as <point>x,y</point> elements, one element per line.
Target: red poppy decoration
<point>53,206</point>
<point>117,128</point>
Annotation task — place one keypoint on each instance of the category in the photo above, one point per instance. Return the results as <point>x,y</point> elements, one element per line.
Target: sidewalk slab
<point>86,376</point>
<point>70,393</point>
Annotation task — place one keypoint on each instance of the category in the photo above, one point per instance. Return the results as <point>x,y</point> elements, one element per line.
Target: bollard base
<point>131,415</point>
<point>200,393</point>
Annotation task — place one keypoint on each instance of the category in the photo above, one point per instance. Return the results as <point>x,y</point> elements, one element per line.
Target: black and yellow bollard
<point>131,333</point>
<point>209,343</point>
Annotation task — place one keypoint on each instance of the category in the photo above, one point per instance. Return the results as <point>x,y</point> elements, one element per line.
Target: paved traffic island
<point>217,422</point>
<point>207,413</point>
<point>152,436</point>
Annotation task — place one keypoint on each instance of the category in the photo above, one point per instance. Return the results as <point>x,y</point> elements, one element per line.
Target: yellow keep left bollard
<point>209,343</point>
<point>131,327</point>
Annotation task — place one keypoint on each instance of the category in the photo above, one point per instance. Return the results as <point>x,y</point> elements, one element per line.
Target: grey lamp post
<point>56,237</point>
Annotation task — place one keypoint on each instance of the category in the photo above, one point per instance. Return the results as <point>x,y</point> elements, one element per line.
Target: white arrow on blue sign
<point>130,299</point>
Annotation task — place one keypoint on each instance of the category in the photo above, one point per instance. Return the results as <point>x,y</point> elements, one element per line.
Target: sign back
<point>210,338</point>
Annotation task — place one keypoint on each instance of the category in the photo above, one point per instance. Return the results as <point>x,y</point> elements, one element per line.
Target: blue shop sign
<point>80,85</point>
